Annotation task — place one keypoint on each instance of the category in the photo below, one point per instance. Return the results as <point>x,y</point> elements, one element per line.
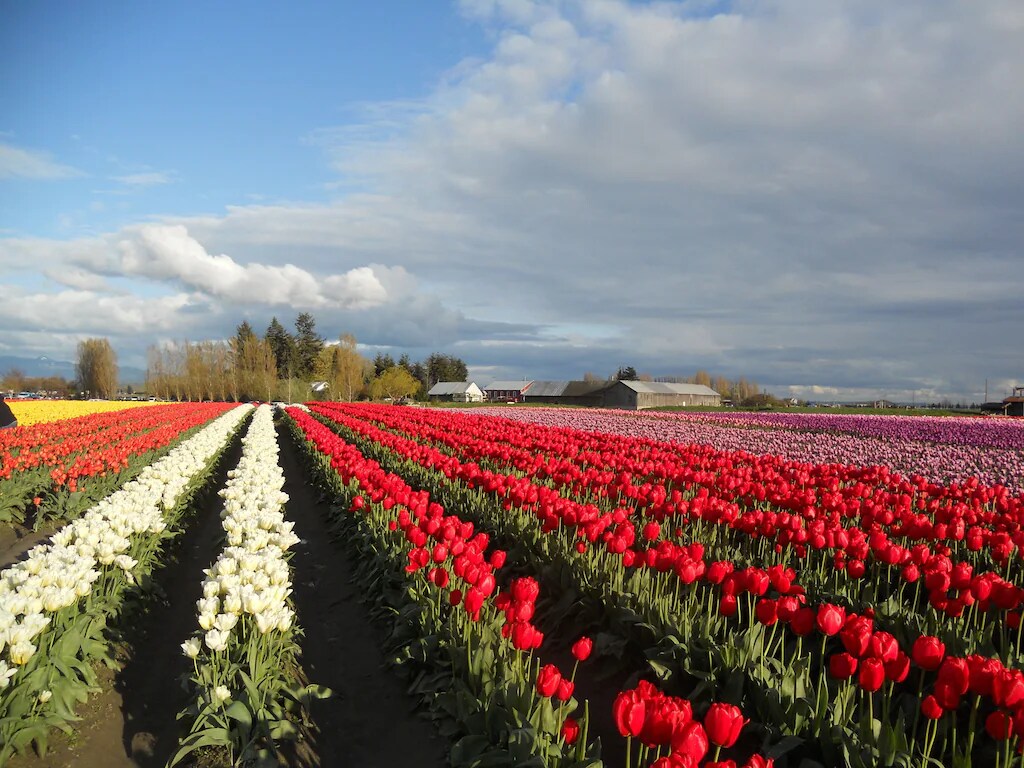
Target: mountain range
<point>45,366</point>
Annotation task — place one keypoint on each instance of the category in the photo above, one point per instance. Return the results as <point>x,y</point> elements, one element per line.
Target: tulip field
<point>554,587</point>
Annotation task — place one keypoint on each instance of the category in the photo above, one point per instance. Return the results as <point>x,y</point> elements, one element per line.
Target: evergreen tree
<point>308,344</point>
<point>381,363</point>
<point>283,346</point>
<point>628,373</point>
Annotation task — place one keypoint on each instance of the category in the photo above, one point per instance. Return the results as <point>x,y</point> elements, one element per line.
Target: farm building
<point>565,392</point>
<point>637,395</point>
<point>1014,405</point>
<point>507,391</point>
<point>456,391</point>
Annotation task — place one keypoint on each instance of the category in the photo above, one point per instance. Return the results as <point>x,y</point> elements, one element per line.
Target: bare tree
<point>96,368</point>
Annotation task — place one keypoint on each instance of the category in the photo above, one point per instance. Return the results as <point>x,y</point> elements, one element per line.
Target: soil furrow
<point>369,720</point>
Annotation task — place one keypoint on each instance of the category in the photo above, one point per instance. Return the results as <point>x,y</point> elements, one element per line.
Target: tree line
<point>289,365</point>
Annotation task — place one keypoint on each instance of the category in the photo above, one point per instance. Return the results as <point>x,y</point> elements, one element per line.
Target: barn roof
<point>548,388</point>
<point>509,385</point>
<point>667,388</point>
<point>450,388</point>
<point>564,388</point>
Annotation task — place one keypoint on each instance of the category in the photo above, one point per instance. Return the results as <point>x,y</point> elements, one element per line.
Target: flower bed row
<point>246,689</point>
<point>59,469</point>
<point>796,689</point>
<point>830,557</point>
<point>939,462</point>
<point>472,646</point>
<point>55,604</point>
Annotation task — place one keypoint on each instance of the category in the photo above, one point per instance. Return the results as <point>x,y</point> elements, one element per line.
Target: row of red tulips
<point>927,578</point>
<point>890,659</point>
<point>487,632</point>
<point>646,473</point>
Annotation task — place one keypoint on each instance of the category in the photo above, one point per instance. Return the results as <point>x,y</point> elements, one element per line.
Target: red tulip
<point>856,635</point>
<point>931,708</point>
<point>767,611</point>
<point>872,675</point>
<point>898,669</point>
<point>999,725</point>
<point>727,606</point>
<point>955,673</point>
<point>570,730</point>
<point>548,679</point>
<point>581,648</point>
<point>629,711</point>
<point>723,724</point>
<point>692,741</point>
<point>842,666</point>
<point>928,652</point>
<point>831,618</point>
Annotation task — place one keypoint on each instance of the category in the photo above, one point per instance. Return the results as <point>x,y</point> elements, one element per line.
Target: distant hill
<point>45,366</point>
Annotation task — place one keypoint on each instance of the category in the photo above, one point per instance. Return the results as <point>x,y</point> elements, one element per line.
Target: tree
<point>96,369</point>
<point>626,374</point>
<point>703,378</point>
<point>445,368</point>
<point>14,380</point>
<point>308,344</point>
<point>283,346</point>
<point>256,369</point>
<point>723,387</point>
<point>394,383</point>
<point>381,362</point>
<point>343,368</point>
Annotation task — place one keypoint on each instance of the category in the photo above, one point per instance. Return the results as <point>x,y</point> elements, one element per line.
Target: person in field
<point>7,417</point>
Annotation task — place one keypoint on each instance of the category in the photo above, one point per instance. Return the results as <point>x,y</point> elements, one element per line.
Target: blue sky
<point>183,108</point>
<point>820,197</point>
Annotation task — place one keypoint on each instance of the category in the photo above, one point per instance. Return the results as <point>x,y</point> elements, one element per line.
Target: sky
<point>823,197</point>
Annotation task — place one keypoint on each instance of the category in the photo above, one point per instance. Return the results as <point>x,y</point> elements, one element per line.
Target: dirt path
<point>17,539</point>
<point>369,721</point>
<point>131,722</point>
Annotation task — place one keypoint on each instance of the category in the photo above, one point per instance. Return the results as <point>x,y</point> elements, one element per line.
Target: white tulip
<point>217,640</point>
<point>191,647</point>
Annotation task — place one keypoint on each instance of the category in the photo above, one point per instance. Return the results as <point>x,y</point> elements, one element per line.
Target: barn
<point>507,391</point>
<point>456,391</point>
<point>637,395</point>
<point>565,392</point>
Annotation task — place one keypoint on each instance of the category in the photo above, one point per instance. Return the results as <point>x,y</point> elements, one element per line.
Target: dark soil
<point>370,720</point>
<point>17,539</point>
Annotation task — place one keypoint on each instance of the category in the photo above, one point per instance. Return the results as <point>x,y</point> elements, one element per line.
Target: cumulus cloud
<point>18,162</point>
<point>168,253</point>
<point>85,312</point>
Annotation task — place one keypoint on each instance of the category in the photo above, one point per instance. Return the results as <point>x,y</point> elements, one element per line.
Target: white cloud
<point>147,179</point>
<point>167,253</point>
<point>89,312</point>
<point>20,163</point>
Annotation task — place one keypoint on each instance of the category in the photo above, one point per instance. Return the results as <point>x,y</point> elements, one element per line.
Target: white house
<point>456,391</point>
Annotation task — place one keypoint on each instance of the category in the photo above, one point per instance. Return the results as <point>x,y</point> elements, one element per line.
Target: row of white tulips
<point>248,694</point>
<point>59,573</point>
<point>251,575</point>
